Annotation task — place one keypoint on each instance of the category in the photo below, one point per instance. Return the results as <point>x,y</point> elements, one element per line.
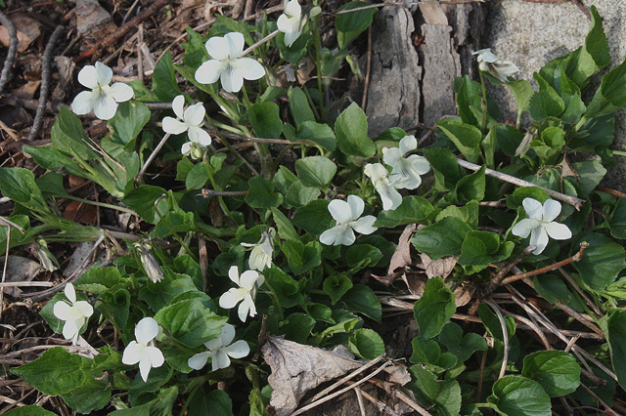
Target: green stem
<point>618,152</point>
<point>101,204</point>
<point>220,198</point>
<point>277,304</point>
<point>483,89</point>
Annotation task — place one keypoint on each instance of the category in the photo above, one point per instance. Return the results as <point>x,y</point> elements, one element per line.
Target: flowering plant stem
<point>156,150</point>
<point>275,299</point>
<point>483,102</point>
<point>318,65</point>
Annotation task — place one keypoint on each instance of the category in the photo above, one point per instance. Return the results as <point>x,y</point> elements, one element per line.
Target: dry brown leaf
<point>441,267</point>
<point>27,31</point>
<point>463,294</point>
<point>298,368</point>
<point>91,17</point>
<point>401,257</point>
<point>27,91</point>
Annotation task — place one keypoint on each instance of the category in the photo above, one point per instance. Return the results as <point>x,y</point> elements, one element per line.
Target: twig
<point>44,91</point>
<point>581,292</point>
<point>340,392</point>
<point>505,336</point>
<point>611,191</point>
<point>151,157</point>
<point>128,26</point>
<point>400,3</point>
<point>359,399</point>
<point>575,258</point>
<point>10,59</point>
<point>4,270</point>
<point>575,202</point>
<point>8,223</point>
<point>203,260</point>
<point>346,378</point>
<point>497,281</point>
<point>608,411</point>
<point>368,68</point>
<point>207,193</point>
<point>26,284</point>
<point>534,327</point>
<point>382,407</point>
<point>406,399</point>
<point>259,43</point>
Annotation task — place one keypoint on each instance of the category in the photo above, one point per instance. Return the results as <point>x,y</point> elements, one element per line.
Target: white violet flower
<point>406,171</point>
<point>143,350</point>
<point>499,68</point>
<point>192,120</point>
<point>347,216</point>
<point>540,223</point>
<point>388,193</point>
<point>292,21</point>
<point>248,283</point>
<point>220,349</point>
<point>226,64</point>
<point>102,98</point>
<point>261,255</point>
<point>75,314</point>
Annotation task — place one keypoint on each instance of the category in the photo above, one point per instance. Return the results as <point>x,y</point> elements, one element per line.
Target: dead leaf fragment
<point>19,269</point>
<point>298,368</point>
<point>441,267</point>
<point>401,258</point>
<point>27,31</point>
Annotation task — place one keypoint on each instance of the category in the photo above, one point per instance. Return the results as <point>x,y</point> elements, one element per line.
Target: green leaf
<point>594,54</point>
<point>265,119</point>
<point>297,327</point>
<point>552,288</point>
<point>55,372</point>
<point>360,256</point>
<point>195,52</point>
<point>317,133</point>
<point>617,220</point>
<point>556,371</point>
<point>299,106</point>
<point>314,217</point>
<point>444,396</point>
<point>445,167</point>
<point>160,294</point>
<point>445,238</point>
<point>601,262</point>
<point>30,410</point>
<point>316,171</point>
<point>367,344</point>
<point>286,230</point>
<point>611,96</point>
<point>546,103</point>
<point>469,99</point>
<point>351,131</point>
<point>301,257</point>
<point>492,323</point>
<point>478,248</point>
<point>164,82</point>
<point>190,322</point>
<point>51,184</point>
<point>471,187</point>
<point>465,137</point>
<point>614,327</point>
<point>198,176</point>
<point>261,193</point>
<point>463,346</point>
<point>361,299</point>
<point>509,138</point>
<point>550,146</point>
<point>351,25</point>
<point>116,306</point>
<point>519,396</point>
<point>434,309</point>
<point>68,135</point>
<point>286,287</point>
<point>19,185</point>
<point>142,201</point>
<point>91,396</point>
<point>217,400</point>
<point>590,173</point>
<point>467,214</point>
<point>336,286</point>
<point>413,210</point>
<point>522,91</point>
<point>128,121</point>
